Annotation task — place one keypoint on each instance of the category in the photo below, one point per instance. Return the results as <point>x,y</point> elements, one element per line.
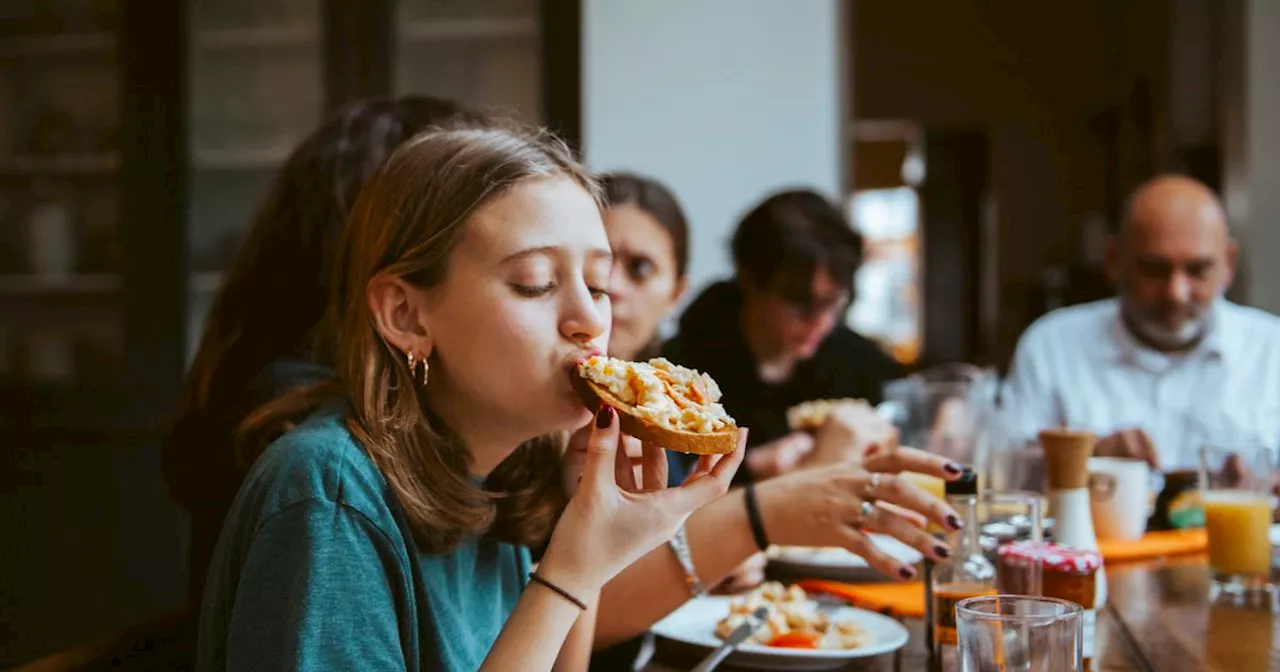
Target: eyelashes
<point>538,291</point>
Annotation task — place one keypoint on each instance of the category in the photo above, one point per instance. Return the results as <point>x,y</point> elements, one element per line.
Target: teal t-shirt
<point>316,569</point>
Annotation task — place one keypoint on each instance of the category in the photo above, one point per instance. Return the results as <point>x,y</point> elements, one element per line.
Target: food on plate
<point>794,622</point>
<point>659,402</point>
<point>810,415</point>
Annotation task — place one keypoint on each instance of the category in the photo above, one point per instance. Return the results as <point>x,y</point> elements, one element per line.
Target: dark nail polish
<point>604,417</point>
<point>907,573</point>
<point>952,468</point>
<point>942,551</point>
<point>954,521</point>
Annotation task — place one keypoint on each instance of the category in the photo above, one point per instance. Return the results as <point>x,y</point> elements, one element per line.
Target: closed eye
<point>534,291</point>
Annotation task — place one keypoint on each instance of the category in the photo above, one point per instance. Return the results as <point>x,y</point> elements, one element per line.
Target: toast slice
<point>659,402</point>
<point>811,415</point>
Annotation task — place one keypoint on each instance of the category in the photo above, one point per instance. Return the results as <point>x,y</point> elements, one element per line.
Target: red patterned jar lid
<point>1051,556</point>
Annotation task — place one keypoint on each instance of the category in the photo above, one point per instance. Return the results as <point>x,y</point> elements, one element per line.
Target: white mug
<point>1119,497</point>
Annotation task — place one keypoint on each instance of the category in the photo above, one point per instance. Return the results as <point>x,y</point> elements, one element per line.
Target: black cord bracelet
<point>753,517</point>
<point>533,576</point>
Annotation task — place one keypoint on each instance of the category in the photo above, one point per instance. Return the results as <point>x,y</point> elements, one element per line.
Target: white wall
<point>1262,151</point>
<point>723,100</point>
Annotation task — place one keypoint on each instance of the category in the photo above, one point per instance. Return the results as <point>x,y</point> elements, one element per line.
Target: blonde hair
<point>406,222</point>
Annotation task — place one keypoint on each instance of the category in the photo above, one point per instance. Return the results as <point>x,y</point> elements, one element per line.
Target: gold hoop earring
<point>413,363</point>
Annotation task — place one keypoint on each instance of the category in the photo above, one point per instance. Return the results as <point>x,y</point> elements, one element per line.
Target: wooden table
<point>1165,609</point>
<point>1158,618</point>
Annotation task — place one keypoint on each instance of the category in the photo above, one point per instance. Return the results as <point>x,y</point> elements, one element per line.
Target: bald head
<point>1168,204</point>
<point>1172,259</point>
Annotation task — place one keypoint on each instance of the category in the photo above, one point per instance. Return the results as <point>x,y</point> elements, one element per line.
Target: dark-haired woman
<point>258,340</point>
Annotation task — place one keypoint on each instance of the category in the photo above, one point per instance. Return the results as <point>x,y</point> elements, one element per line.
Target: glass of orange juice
<point>1235,492</point>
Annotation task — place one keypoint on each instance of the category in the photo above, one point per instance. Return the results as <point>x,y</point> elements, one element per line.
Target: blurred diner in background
<point>646,336</point>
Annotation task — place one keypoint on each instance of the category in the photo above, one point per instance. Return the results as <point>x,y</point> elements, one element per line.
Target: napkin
<point>1154,545</point>
<point>900,600</point>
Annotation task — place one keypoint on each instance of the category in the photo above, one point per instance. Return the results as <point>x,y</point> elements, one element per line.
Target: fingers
<point>885,521</point>
<point>624,473</point>
<point>703,486</point>
<point>897,490</point>
<point>859,544</point>
<point>913,459</point>
<point>602,448</point>
<point>655,466</point>
<point>1146,449</point>
<point>906,514</point>
<point>791,449</point>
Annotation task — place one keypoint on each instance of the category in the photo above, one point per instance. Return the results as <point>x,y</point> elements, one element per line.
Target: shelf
<point>222,39</point>
<point>58,285</point>
<point>240,159</point>
<point>88,284</point>
<point>96,163</point>
<point>105,163</point>
<point>257,37</point>
<point>53,45</point>
<point>467,29</point>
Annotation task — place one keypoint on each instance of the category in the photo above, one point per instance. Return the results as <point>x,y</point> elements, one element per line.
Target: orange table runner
<point>902,600</point>
<point>1154,545</point>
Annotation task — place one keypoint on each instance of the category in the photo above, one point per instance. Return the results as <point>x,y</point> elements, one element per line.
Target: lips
<point>583,355</point>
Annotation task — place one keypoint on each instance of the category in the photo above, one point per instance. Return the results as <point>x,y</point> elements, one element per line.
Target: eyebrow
<point>550,250</point>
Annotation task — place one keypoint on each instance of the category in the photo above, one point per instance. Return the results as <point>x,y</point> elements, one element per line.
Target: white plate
<point>838,563</point>
<point>695,623</point>
<point>1275,535</point>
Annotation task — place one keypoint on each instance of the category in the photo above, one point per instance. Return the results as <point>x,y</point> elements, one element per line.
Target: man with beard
<point>1169,364</point>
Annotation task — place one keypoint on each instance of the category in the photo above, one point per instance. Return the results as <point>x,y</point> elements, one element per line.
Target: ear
<point>682,286</point>
<point>1112,260</point>
<point>399,313</point>
<point>1232,258</point>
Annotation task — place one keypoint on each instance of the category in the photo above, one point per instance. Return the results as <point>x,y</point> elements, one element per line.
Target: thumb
<point>601,446</point>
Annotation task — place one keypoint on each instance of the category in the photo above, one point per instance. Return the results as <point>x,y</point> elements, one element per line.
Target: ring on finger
<point>865,510</point>
<point>872,485</point>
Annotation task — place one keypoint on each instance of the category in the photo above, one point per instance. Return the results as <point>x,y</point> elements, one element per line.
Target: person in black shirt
<point>773,336</point>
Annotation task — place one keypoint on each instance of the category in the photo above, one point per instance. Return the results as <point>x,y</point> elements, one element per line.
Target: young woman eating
<point>388,530</point>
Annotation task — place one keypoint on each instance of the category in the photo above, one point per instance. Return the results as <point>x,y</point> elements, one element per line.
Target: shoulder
<point>318,461</point>
<point>1249,322</point>
<point>1087,320</point>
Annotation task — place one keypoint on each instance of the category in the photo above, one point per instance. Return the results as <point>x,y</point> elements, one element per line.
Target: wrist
<point>755,518</point>
<point>567,571</point>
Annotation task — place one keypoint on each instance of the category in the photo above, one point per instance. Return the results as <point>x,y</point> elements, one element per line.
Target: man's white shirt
<point>1081,367</point>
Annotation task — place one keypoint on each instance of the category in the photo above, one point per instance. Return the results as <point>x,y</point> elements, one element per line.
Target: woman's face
<point>524,298</point>
<point>644,283</point>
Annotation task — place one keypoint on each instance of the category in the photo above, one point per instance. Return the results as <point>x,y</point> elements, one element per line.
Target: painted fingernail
<point>942,551</point>
<point>604,417</point>
<point>907,573</point>
<point>954,521</point>
<point>952,468</point>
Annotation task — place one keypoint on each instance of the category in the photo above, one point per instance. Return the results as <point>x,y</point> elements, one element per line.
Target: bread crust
<point>711,443</point>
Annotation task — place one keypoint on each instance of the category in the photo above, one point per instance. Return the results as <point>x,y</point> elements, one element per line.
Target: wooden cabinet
<point>121,206</point>
<point>136,139</point>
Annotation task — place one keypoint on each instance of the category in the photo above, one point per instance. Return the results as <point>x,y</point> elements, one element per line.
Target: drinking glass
<point>1008,633</point>
<point>1235,491</point>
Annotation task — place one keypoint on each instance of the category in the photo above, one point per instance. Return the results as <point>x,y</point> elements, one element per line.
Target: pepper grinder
<point>1066,462</point>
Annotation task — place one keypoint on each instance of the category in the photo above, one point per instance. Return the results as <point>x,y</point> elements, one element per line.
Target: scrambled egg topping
<point>662,393</point>
<point>794,620</point>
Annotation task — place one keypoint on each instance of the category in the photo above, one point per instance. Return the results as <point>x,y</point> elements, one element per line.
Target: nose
<point>1179,287</point>
<point>584,318</point>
